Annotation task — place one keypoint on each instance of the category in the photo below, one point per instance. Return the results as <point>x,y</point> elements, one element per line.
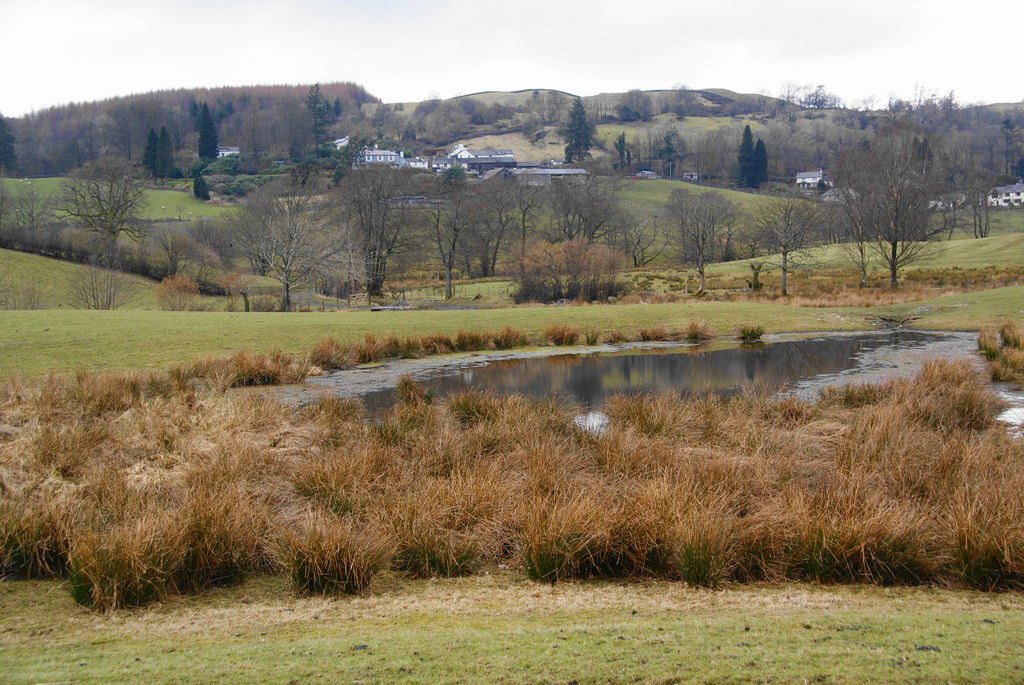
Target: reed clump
<point>1004,351</point>
<point>172,488</point>
<point>562,334</point>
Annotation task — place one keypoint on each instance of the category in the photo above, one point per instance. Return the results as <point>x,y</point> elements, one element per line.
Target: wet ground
<point>586,375</point>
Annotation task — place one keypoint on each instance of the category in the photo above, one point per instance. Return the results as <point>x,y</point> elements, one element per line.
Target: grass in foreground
<point>500,628</point>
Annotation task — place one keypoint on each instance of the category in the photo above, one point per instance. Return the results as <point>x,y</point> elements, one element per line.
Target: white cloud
<point>67,50</point>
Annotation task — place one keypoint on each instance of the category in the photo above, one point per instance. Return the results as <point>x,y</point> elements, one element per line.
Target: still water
<point>801,366</point>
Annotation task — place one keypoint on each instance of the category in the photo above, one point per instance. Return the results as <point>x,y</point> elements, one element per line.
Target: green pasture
<point>500,628</point>
<point>655,193</point>
<point>55,279</point>
<point>158,204</point>
<point>35,342</point>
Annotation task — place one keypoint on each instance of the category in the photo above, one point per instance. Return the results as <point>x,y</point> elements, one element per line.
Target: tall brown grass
<point>133,488</point>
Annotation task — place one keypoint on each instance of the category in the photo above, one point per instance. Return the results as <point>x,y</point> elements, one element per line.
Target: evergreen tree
<point>200,189</point>
<point>8,157</point>
<point>620,147</point>
<point>207,135</point>
<point>667,153</point>
<point>745,161</point>
<point>759,164</point>
<point>316,106</point>
<point>579,133</point>
<point>149,153</point>
<point>164,161</point>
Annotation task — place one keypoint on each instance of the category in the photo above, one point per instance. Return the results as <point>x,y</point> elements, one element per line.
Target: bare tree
<point>697,219</point>
<point>100,285</point>
<point>496,222</point>
<point>582,207</point>
<point>786,225</point>
<point>641,235</point>
<point>31,208</point>
<point>289,228</point>
<point>447,216</point>
<point>890,193</point>
<point>105,197</point>
<point>374,209</point>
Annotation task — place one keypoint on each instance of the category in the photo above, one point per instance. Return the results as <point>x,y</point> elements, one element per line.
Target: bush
<point>177,293</point>
<point>326,556</point>
<point>562,334</point>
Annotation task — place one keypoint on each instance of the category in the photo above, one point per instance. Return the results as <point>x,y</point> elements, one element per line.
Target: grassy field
<point>655,193</point>
<point>34,342</point>
<point>501,628</point>
<point>55,279</point>
<point>159,204</point>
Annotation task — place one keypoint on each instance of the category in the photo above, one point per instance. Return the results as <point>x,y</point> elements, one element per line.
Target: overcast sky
<point>59,51</point>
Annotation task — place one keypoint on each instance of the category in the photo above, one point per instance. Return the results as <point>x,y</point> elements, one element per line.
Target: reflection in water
<point>590,379</point>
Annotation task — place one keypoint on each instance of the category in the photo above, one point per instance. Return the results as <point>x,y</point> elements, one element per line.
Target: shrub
<point>699,331</point>
<point>989,344</point>
<point>123,565</point>
<point>177,293</point>
<point>470,341</point>
<point>1013,335</point>
<point>562,334</point>
<point>437,344</point>
<point>750,332</point>
<point>508,338</point>
<point>328,354</point>
<point>326,555</point>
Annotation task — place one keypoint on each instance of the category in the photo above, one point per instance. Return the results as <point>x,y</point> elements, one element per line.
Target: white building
<point>1007,196</point>
<point>809,180</point>
<point>224,151</point>
<point>379,156</point>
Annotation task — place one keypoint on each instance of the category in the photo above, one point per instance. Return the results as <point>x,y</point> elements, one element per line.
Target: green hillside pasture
<point>498,628</point>
<point>607,133</point>
<point>55,278</point>
<point>655,193</point>
<point>158,203</point>
<point>34,342</point>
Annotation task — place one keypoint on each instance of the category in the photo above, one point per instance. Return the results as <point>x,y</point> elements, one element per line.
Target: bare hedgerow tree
<point>889,191</point>
<point>100,285</point>
<point>785,226</point>
<point>697,219</point>
<point>105,197</point>
<point>640,235</point>
<point>288,228</point>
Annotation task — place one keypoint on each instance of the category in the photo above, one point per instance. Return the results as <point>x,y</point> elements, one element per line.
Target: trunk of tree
<point>700,286</point>
<point>785,273</point>
<point>286,297</point>
<point>893,251</point>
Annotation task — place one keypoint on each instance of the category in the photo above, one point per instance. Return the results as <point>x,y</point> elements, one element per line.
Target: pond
<point>801,365</point>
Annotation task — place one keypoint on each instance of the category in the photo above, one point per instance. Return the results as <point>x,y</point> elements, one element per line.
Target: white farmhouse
<point>809,180</point>
<point>1007,196</point>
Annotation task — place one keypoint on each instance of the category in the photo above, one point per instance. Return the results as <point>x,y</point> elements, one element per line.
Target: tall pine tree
<point>579,133</point>
<point>759,164</point>
<point>8,157</point>
<point>149,153</point>
<point>316,106</point>
<point>745,160</point>
<point>207,135</point>
<point>164,162</point>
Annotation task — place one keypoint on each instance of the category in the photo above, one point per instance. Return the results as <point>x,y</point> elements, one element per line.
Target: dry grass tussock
<point>133,486</point>
<point>1004,350</point>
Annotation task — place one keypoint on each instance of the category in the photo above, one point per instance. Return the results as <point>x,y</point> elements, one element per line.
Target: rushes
<point>1004,351</point>
<point>325,555</point>
<point>902,482</point>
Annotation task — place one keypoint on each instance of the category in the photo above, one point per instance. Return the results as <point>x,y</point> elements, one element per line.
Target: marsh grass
<point>1004,352</point>
<point>907,481</point>
<point>562,334</point>
<point>750,332</point>
<point>699,331</point>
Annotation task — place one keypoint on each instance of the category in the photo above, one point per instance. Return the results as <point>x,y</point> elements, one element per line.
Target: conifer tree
<point>8,156</point>
<point>316,106</point>
<point>759,164</point>
<point>200,189</point>
<point>579,133</point>
<point>149,153</point>
<point>745,160</point>
<point>207,135</point>
<point>164,162</point>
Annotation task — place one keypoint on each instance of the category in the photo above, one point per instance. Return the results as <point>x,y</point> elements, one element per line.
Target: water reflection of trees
<point>591,379</point>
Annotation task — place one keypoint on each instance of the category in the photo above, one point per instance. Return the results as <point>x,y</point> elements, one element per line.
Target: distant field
<point>159,204</point>
<point>655,193</point>
<point>56,278</point>
<point>34,342</point>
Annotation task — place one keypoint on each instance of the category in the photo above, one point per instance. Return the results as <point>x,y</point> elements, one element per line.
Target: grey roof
<point>810,174</point>
<point>547,171</point>
<point>1015,188</point>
